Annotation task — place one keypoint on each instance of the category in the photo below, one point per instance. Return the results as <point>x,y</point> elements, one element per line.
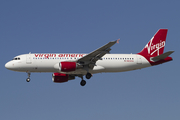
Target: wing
<point>92,57</point>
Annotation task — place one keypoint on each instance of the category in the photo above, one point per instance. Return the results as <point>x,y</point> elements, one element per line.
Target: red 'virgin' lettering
<point>36,55</point>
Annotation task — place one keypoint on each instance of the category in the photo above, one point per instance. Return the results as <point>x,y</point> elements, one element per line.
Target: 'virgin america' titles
<point>59,55</point>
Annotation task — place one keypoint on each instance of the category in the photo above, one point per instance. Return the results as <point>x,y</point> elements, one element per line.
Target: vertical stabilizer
<point>154,49</point>
<point>155,46</point>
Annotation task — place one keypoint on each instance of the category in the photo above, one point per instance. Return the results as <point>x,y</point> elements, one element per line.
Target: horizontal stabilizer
<point>162,56</point>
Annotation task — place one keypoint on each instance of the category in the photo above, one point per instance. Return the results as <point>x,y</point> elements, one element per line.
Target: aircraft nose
<point>8,65</point>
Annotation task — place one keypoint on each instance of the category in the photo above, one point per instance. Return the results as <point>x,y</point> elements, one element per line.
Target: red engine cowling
<point>59,77</point>
<point>67,66</point>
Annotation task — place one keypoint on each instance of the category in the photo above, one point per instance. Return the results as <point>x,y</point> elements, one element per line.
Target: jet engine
<point>60,78</point>
<point>67,66</point>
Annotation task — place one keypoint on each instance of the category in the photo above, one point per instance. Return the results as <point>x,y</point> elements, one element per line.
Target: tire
<point>28,79</point>
<point>83,82</point>
<point>88,75</point>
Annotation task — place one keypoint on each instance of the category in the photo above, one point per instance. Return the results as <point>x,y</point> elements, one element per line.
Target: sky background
<point>81,26</point>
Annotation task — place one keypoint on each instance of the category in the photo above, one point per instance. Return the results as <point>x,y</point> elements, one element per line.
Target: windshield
<point>16,58</point>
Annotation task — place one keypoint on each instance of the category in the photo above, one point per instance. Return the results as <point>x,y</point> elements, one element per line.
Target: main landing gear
<point>28,79</point>
<point>83,82</point>
<point>88,75</point>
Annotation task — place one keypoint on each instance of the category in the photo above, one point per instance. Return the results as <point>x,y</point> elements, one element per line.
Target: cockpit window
<point>16,58</point>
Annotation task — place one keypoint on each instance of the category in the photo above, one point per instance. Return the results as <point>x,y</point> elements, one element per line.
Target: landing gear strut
<point>83,82</point>
<point>28,79</point>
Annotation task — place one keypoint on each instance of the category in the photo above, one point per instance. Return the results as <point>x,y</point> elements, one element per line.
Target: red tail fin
<point>156,45</point>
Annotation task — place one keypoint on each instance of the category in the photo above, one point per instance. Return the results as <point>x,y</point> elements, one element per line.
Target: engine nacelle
<point>60,78</point>
<point>67,66</point>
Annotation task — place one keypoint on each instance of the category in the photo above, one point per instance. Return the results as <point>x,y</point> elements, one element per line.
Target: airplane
<point>67,66</point>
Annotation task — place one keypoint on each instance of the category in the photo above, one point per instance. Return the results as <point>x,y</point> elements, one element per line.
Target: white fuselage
<point>50,63</point>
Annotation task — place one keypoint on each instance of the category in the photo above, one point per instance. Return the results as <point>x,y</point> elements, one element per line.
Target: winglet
<point>118,40</point>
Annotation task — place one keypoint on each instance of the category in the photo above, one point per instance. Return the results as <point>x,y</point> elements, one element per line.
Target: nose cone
<point>9,66</point>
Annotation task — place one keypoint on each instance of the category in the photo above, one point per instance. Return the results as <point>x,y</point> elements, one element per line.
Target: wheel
<point>28,79</point>
<point>88,75</point>
<point>83,82</point>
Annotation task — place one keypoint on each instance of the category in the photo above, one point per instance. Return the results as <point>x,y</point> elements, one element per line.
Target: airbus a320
<point>66,67</point>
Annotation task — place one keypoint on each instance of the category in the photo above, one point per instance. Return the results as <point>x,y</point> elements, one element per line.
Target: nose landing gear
<point>28,79</point>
